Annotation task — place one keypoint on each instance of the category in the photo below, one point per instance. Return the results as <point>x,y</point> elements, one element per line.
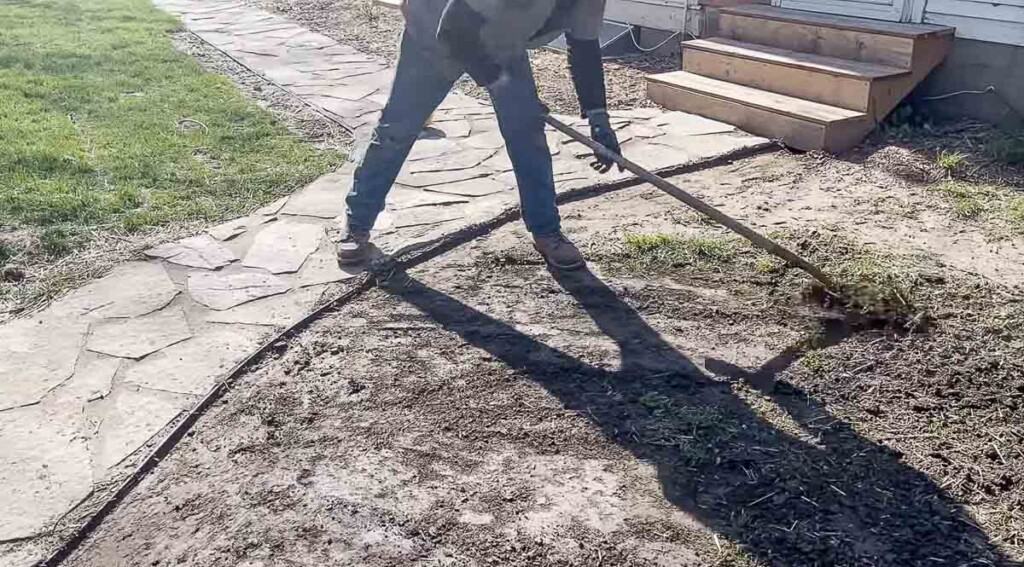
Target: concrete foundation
<point>976,66</point>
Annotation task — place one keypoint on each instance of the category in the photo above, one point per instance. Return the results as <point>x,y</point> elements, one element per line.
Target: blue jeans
<point>421,83</point>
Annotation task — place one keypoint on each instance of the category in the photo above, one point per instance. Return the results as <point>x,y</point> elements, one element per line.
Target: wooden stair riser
<point>801,134</point>
<point>853,93</point>
<point>886,94</point>
<point>832,42</point>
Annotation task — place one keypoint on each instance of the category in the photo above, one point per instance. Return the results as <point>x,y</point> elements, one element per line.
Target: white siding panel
<point>969,27</point>
<point>656,14</point>
<point>1000,11</point>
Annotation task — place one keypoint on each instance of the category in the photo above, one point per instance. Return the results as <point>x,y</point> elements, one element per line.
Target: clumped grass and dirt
<point>110,135</point>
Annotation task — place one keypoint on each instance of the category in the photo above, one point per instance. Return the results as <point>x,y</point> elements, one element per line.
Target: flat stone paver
<point>283,247</point>
<point>37,355</point>
<point>219,290</point>
<point>203,251</point>
<point>140,336</point>
<point>193,366</point>
<point>130,290</point>
<point>45,468</point>
<point>277,310</point>
<point>91,379</point>
<point>127,419</point>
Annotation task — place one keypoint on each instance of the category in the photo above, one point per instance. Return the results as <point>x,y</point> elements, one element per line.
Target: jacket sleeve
<point>459,31</point>
<point>585,64</point>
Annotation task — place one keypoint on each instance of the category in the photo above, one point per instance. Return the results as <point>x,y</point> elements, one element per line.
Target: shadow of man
<point>819,494</point>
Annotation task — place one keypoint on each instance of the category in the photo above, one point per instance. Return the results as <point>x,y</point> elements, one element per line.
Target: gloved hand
<point>602,133</point>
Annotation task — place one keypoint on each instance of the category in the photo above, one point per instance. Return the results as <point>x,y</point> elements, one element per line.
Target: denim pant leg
<point>521,119</point>
<point>419,86</point>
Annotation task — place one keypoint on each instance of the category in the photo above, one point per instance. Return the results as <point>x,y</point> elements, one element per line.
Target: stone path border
<point>103,371</point>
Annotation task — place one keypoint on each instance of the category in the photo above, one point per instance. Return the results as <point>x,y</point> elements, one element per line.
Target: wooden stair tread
<point>911,31</point>
<point>790,58</point>
<point>757,98</point>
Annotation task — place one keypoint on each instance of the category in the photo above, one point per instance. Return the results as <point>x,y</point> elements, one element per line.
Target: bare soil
<point>372,29</point>
<point>479,410</point>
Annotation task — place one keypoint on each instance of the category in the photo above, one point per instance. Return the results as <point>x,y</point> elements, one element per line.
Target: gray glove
<point>602,133</point>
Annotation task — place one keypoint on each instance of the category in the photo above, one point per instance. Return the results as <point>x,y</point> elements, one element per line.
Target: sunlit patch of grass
<point>968,200</point>
<point>94,104</point>
<point>951,162</point>
<point>665,251</point>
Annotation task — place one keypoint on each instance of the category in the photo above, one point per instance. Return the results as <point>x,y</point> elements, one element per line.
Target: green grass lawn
<point>105,127</point>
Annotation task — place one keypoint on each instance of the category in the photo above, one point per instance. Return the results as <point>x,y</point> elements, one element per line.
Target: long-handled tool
<point>725,220</point>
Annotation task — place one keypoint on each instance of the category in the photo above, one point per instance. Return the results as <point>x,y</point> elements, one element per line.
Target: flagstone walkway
<point>87,382</point>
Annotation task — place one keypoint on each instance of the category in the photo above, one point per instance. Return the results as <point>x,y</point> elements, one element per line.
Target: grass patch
<point>665,251</point>
<point>104,126</point>
<point>967,199</point>
<point>1015,214</point>
<point>951,162</point>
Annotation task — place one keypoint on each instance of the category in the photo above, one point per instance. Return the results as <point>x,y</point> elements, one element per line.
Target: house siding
<point>999,21</point>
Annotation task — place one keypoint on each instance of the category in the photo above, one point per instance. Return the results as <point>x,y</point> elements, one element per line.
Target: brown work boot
<point>354,247</point>
<point>559,252</point>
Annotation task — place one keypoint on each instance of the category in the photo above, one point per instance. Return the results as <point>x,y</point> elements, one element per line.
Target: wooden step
<point>822,34</point>
<point>801,124</point>
<point>828,80</point>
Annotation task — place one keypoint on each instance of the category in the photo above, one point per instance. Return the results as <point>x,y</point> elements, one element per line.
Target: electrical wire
<point>988,89</point>
<point>636,43</point>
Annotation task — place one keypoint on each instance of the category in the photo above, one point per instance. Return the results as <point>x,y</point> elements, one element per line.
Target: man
<point>488,40</point>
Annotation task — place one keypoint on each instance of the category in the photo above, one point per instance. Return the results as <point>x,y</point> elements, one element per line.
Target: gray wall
<point>974,65</point>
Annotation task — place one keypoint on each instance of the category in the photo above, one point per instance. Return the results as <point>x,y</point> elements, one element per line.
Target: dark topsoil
<point>479,410</point>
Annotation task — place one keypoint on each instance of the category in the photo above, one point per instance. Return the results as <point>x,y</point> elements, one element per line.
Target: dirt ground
<point>685,409</point>
<point>371,29</point>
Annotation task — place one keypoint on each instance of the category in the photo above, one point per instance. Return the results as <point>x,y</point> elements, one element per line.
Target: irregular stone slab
<point>129,290</point>
<point>44,470</point>
<point>195,365</point>
<point>279,310</point>
<point>230,229</point>
<point>283,247</point>
<point>272,208</point>
<point>322,268</point>
<point>127,419</point>
<point>682,124</point>
<point>643,131</point>
<point>637,113</point>
<point>464,159</point>
<point>323,198</point>
<point>220,291</point>
<point>492,140</point>
<point>35,356</point>
<point>351,92</point>
<point>201,251</point>
<point>499,163</point>
<point>401,198</point>
<point>425,217</point>
<point>93,379</point>
<point>431,148</point>
<point>454,128</point>
<point>655,156</point>
<point>140,336</point>
<point>429,179</point>
<point>472,187</point>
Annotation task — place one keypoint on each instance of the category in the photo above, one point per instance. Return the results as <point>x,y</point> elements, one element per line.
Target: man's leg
<point>521,119</point>
<point>419,86</point>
